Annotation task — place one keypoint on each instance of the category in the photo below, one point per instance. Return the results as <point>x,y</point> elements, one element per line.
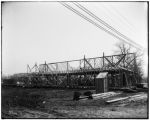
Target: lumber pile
<point>138,97</point>
<point>128,99</point>
<point>102,95</point>
<point>105,95</point>
<point>116,100</point>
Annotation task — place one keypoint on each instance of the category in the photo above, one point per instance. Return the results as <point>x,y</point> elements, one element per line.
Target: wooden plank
<point>101,95</point>
<point>116,100</point>
<point>131,98</point>
<point>110,95</point>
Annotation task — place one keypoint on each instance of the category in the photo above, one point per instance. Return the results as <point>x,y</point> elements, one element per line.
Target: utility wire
<point>97,25</point>
<point>104,23</point>
<point>124,18</point>
<point>120,17</point>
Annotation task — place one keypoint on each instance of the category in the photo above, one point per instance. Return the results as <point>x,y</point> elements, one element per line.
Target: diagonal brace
<point>120,60</point>
<point>88,63</point>
<point>130,62</point>
<point>109,61</point>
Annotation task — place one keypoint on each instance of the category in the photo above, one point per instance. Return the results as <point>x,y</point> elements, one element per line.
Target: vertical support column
<point>84,62</point>
<point>45,70</point>
<point>124,62</point>
<point>103,59</point>
<point>67,66</point>
<point>84,79</point>
<point>80,81</point>
<point>115,84</point>
<point>27,69</point>
<point>94,73</point>
<point>126,78</point>
<point>134,77</point>
<point>68,79</point>
<point>113,80</point>
<point>94,63</point>
<point>121,79</point>
<point>80,64</point>
<point>56,78</point>
<point>129,80</point>
<point>113,60</point>
<point>57,67</point>
<point>94,79</point>
<point>67,75</point>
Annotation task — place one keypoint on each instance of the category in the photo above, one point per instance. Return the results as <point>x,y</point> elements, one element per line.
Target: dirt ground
<point>52,103</point>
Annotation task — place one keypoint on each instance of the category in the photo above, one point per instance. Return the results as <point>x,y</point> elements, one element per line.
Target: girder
<point>82,72</point>
<point>83,65</point>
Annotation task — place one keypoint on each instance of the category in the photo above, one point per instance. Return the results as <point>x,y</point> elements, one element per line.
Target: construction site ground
<point>58,103</point>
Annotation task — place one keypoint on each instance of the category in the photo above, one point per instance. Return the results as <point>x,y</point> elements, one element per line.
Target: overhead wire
<point>94,23</point>
<point>124,18</point>
<point>103,22</point>
<point>124,23</point>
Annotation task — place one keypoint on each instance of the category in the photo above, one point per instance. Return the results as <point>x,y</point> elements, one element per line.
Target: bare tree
<point>137,65</point>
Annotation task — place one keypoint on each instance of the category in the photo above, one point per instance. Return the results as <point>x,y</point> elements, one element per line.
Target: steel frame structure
<point>82,72</point>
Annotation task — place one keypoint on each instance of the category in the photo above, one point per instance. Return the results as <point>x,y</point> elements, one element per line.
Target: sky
<point>35,32</point>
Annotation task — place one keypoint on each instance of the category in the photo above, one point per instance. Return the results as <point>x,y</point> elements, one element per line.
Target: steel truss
<point>82,72</point>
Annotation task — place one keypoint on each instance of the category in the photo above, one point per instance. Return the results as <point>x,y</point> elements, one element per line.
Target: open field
<point>52,103</point>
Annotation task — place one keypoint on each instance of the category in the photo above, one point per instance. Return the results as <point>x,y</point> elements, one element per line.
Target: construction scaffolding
<point>82,73</point>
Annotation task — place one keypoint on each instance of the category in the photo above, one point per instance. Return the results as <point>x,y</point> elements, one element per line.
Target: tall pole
<point>67,66</point>
<point>84,61</point>
<point>103,59</point>
<point>45,67</point>
<point>80,64</point>
<point>57,67</point>
<point>67,75</point>
<point>27,68</point>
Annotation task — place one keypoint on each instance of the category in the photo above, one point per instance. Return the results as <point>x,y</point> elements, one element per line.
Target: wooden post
<point>67,66</point>
<point>94,78</point>
<point>57,67</point>
<point>56,78</point>
<point>67,75</point>
<point>126,79</point>
<point>94,63</point>
<point>113,60</point>
<point>45,67</point>
<point>80,64</point>
<point>84,61</point>
<point>103,59</point>
<point>27,68</point>
<point>121,74</point>
<point>68,80</point>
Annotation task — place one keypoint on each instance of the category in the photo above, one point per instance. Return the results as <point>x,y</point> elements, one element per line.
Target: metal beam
<point>109,62</point>
<point>88,63</point>
<point>88,58</point>
<point>120,60</point>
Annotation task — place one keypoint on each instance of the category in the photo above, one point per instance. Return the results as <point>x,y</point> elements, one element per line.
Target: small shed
<point>102,82</point>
